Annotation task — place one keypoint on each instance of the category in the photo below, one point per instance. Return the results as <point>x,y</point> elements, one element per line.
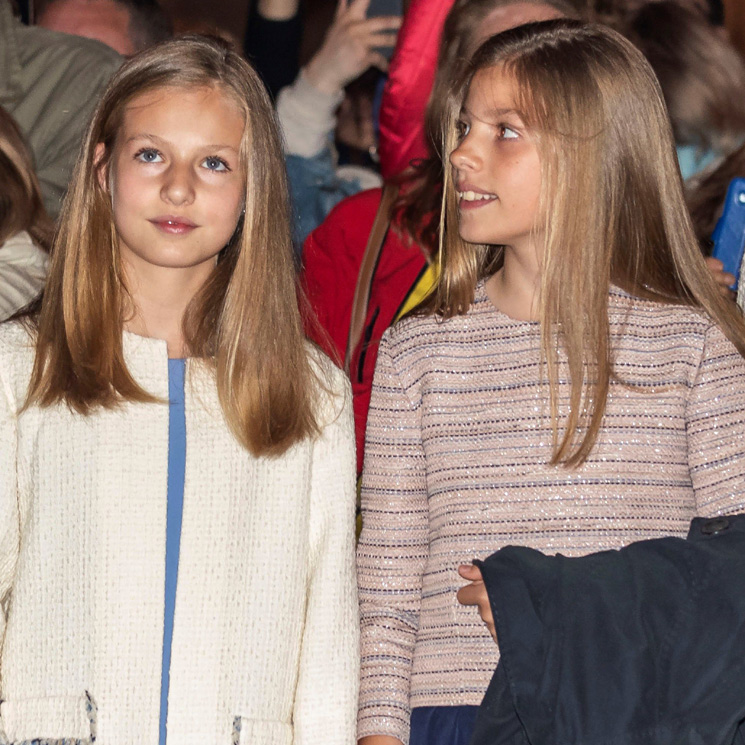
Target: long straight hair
<point>243,323</point>
<point>611,207</point>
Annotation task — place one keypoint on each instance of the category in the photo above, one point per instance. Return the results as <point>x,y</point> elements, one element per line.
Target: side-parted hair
<point>243,323</point>
<point>21,203</point>
<point>420,200</point>
<point>611,207</point>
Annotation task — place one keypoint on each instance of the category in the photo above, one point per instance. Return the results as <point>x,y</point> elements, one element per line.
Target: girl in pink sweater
<point>575,382</point>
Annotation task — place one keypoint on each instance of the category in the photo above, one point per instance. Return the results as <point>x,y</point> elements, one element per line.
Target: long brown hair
<point>243,323</point>
<point>418,206</point>
<point>21,204</point>
<point>611,206</point>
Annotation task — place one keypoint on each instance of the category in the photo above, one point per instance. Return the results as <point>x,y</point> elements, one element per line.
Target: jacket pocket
<point>60,720</point>
<point>261,732</point>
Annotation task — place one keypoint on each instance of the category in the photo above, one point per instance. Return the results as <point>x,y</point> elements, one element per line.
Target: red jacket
<point>332,253</point>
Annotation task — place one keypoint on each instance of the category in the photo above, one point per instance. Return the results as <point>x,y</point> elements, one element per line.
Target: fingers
<point>724,280</point>
<point>358,8</point>
<point>470,572</point>
<point>341,8</point>
<point>376,59</point>
<point>381,24</point>
<point>475,593</point>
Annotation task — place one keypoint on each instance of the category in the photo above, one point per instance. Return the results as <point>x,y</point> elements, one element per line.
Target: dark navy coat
<point>642,646</point>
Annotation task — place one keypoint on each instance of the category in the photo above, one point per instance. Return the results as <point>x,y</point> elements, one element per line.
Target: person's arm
<point>272,42</point>
<point>306,109</point>
<point>391,554</point>
<point>410,78</point>
<point>326,696</point>
<point>715,427</point>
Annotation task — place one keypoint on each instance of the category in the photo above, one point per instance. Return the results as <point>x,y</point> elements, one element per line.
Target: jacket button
<point>715,526</point>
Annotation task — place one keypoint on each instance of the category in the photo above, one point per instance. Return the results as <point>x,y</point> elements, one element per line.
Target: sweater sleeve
<point>392,552</point>
<point>410,78</point>
<point>715,425</point>
<point>326,698</point>
<point>9,517</point>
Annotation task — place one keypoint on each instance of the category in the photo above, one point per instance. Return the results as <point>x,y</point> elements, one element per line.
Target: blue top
<point>176,467</point>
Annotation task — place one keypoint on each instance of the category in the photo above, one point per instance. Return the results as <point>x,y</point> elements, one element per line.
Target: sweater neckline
<point>482,304</point>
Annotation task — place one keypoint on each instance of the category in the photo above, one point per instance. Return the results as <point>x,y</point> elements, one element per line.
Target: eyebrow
<point>155,138</point>
<point>493,113</point>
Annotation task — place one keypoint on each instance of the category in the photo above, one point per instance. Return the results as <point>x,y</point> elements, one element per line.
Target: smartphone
<point>385,8</point>
<point>729,234</point>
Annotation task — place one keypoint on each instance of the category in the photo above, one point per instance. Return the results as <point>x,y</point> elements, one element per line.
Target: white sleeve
<point>326,698</point>
<point>307,117</point>
<point>9,516</point>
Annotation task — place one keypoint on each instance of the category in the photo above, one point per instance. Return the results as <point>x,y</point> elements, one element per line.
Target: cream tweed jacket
<point>265,640</point>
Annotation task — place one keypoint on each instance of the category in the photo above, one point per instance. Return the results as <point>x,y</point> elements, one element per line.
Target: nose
<point>178,185</point>
<point>465,157</point>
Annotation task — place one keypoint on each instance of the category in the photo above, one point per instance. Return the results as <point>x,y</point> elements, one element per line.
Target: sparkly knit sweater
<point>457,465</point>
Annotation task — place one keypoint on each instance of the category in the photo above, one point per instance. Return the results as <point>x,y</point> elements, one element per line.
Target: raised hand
<point>351,45</point>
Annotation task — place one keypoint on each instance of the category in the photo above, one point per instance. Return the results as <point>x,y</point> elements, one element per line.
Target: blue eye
<point>215,164</point>
<point>148,155</point>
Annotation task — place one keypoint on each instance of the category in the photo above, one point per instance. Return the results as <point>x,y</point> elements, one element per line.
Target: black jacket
<point>642,646</point>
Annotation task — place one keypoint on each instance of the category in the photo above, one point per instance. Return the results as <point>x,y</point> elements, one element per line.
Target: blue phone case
<point>729,234</point>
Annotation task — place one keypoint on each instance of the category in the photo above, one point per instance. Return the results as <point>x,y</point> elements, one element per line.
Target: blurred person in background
<point>308,108</point>
<point>49,83</point>
<point>127,26</point>
<point>25,228</point>
<point>703,80</point>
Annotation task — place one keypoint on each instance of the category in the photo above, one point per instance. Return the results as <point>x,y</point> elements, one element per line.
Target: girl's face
<point>176,181</point>
<point>497,171</point>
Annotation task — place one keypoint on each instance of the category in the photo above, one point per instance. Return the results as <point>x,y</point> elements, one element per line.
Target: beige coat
<point>265,642</point>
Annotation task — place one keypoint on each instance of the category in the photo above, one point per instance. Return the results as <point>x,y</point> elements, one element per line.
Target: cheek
<point>127,192</point>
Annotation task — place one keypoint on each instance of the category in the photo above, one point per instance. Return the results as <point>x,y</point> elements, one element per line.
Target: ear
<point>102,170</point>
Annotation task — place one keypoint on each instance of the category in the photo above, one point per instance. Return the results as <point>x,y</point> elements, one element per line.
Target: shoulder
<point>350,218</point>
<point>333,252</point>
<point>648,320</point>
<point>16,358</point>
<point>89,57</point>
<point>435,335</point>
<point>333,392</point>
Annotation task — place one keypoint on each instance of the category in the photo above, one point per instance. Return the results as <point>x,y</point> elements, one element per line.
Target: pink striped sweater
<point>456,466</point>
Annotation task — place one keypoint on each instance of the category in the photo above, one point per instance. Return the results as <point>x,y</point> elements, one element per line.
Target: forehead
<point>513,15</point>
<point>492,92</point>
<point>204,112</point>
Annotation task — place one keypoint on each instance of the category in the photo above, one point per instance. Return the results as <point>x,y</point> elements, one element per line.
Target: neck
<point>515,288</point>
<point>159,298</point>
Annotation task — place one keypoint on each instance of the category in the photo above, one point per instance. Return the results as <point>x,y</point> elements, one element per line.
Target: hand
<point>350,46</point>
<point>475,594</point>
<point>379,740</point>
<point>723,279</point>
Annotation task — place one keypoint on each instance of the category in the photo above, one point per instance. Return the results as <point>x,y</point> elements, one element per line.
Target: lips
<point>173,224</point>
<point>469,196</point>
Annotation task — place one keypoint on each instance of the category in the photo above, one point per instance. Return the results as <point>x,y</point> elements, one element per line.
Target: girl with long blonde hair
<point>575,382</point>
<point>176,462</point>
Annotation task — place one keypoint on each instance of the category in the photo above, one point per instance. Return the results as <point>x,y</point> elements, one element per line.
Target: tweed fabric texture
<point>457,466</point>
<point>265,633</point>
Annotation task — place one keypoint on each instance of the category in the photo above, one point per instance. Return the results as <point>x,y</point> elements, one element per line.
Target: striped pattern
<point>456,466</point>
